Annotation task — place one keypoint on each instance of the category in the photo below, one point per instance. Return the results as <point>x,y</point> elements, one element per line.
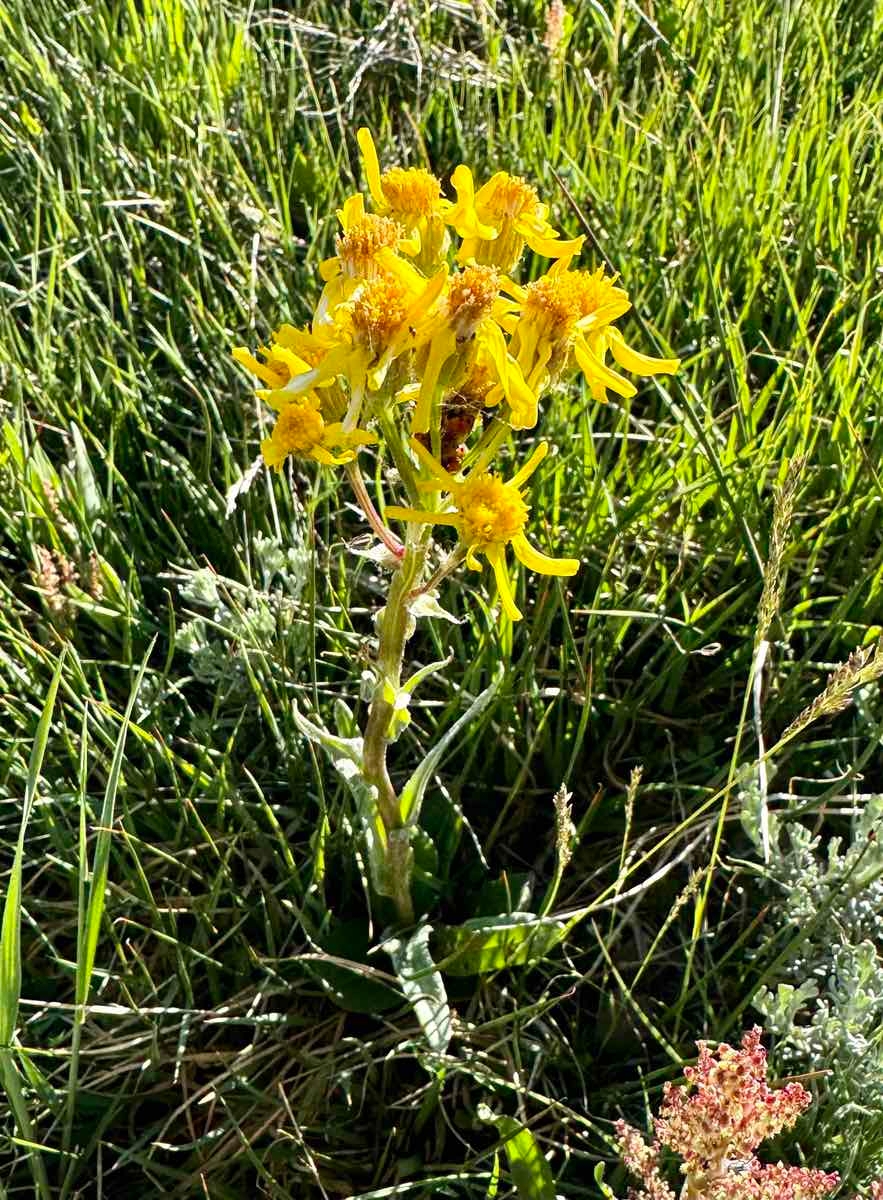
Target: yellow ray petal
<point>497,558</point>
<point>534,560</point>
<point>524,473</point>
<point>552,247</point>
<point>352,213</point>
<point>440,350</point>
<point>246,359</point>
<point>372,166</point>
<point>596,372</point>
<point>463,216</point>
<point>639,364</point>
<point>432,466</point>
<point>327,459</point>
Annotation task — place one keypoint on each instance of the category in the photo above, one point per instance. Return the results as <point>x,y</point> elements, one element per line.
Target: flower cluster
<point>423,340</point>
<point>715,1124</point>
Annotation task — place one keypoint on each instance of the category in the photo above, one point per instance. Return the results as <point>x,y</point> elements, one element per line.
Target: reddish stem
<point>372,516</point>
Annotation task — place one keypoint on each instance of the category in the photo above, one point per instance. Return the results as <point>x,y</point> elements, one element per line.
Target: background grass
<point>169,174</point>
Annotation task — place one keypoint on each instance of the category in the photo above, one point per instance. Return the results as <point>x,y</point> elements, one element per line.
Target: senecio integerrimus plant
<point>425,349</point>
<point>714,1124</point>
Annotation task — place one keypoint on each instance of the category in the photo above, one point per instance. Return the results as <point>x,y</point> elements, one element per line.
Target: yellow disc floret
<point>410,192</point>
<point>301,430</point>
<point>509,198</point>
<point>568,316</point>
<point>413,197</point>
<point>471,295</point>
<point>358,250</point>
<point>379,310</point>
<point>491,511</point>
<point>559,300</point>
<point>496,221</point>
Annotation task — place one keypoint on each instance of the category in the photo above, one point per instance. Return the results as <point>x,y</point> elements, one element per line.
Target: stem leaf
<point>530,1172</point>
<point>413,791</point>
<point>422,984</point>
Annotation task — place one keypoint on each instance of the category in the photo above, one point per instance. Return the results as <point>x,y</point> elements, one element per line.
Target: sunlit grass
<point>168,175</point>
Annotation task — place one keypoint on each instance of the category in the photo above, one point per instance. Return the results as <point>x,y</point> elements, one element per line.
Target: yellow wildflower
<point>295,362</point>
<point>413,198</point>
<point>358,343</point>
<point>363,250</point>
<point>379,325</point>
<point>566,317</point>
<point>301,430</point>
<point>461,332</point>
<point>496,221</point>
<point>489,514</point>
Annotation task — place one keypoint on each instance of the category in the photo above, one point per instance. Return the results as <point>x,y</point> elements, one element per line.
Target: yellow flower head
<point>496,221</point>
<point>567,315</point>
<point>294,363</point>
<point>412,197</point>
<point>489,514</point>
<point>382,317</point>
<point>301,430</point>
<point>380,309</point>
<point>470,298</point>
<point>461,334</point>
<point>365,246</point>
<point>365,236</point>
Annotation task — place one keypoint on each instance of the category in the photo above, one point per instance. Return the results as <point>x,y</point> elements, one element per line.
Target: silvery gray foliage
<point>237,617</point>
<point>826,1010</point>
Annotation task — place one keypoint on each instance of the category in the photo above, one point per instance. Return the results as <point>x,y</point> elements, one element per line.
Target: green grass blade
<point>92,913</point>
<point>10,938</point>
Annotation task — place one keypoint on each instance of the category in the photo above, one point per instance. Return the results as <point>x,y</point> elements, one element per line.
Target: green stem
<point>493,437</point>
<point>396,625</point>
<point>393,438</point>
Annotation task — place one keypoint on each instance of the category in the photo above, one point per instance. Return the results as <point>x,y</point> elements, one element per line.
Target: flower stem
<point>372,516</point>
<point>395,627</point>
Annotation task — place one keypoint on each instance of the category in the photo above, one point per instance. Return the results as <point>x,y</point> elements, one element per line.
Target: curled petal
<point>553,247</point>
<point>352,213</point>
<point>596,372</point>
<point>327,459</point>
<point>639,364</point>
<point>534,560</point>
<point>463,216</point>
<point>246,359</point>
<point>521,397</point>
<point>527,469</point>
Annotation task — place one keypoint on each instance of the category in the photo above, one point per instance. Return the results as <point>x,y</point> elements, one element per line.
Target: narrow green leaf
<point>88,936</point>
<point>85,475</point>
<point>494,1185</point>
<point>10,943</point>
<point>10,932</point>
<point>412,793</point>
